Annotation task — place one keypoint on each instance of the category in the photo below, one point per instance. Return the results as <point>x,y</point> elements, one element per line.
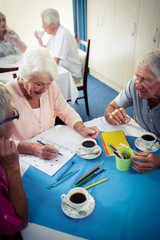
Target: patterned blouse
<point>9,47</point>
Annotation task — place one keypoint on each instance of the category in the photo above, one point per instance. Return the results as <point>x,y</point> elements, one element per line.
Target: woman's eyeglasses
<point>14,116</point>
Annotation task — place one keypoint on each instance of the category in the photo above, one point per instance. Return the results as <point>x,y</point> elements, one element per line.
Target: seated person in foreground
<point>143,93</point>
<point>10,42</point>
<point>39,100</point>
<point>62,44</point>
<point>13,201</point>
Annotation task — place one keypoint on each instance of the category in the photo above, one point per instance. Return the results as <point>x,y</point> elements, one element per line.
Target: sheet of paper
<point>52,166</point>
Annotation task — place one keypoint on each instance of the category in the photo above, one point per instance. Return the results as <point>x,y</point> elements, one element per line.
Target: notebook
<point>114,138</point>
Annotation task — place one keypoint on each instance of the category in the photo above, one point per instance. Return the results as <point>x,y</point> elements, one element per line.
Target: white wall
<point>24,16</point>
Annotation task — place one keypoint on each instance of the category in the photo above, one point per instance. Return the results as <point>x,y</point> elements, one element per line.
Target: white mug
<point>76,198</point>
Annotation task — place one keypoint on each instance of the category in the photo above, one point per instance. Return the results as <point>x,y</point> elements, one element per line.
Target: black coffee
<point>78,198</point>
<point>88,144</point>
<point>148,137</point>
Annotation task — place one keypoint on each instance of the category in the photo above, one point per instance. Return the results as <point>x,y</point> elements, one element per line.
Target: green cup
<point>125,163</point>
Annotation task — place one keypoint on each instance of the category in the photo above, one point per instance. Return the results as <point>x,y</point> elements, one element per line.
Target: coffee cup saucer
<point>138,143</point>
<point>83,212</point>
<point>83,154</point>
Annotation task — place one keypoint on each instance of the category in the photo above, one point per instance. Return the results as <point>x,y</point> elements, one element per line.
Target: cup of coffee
<point>148,139</point>
<point>88,145</point>
<point>76,198</point>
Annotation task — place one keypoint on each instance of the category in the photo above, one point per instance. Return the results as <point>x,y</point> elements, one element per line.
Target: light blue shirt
<point>148,118</point>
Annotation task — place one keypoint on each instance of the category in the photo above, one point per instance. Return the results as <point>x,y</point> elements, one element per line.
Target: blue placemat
<point>118,213</point>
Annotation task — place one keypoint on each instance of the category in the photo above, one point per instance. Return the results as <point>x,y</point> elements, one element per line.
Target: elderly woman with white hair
<point>39,100</point>
<point>61,44</point>
<point>13,201</point>
<point>143,93</point>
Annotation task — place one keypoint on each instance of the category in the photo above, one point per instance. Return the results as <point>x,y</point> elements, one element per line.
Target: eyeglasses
<point>146,81</point>
<point>14,116</point>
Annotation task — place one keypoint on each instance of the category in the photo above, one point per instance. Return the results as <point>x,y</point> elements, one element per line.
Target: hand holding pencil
<point>45,151</point>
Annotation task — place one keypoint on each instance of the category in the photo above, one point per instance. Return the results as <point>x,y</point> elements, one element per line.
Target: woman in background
<point>10,42</point>
<point>13,201</point>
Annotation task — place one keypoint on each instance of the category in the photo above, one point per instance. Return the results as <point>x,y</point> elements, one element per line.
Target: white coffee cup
<point>148,139</point>
<point>76,198</point>
<point>88,145</point>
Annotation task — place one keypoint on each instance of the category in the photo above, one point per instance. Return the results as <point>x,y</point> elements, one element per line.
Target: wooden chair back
<point>84,56</point>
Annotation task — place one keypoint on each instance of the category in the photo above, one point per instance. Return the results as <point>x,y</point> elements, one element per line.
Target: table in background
<point>64,81</point>
<point>10,61</point>
<point>127,205</point>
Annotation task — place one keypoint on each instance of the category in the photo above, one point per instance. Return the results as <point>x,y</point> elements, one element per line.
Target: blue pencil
<point>62,174</point>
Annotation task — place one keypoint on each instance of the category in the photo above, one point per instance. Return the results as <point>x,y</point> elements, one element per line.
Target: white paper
<point>48,166</point>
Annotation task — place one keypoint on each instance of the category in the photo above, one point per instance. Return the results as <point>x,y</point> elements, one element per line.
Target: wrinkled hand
<point>89,132</point>
<point>8,154</point>
<point>45,151</point>
<point>148,161</point>
<point>118,116</point>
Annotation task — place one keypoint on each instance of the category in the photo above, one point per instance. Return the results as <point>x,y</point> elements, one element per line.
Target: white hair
<point>51,16</point>
<point>5,100</point>
<point>37,60</point>
<point>152,60</point>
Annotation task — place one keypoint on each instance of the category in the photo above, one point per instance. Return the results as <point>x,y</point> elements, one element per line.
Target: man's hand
<point>118,116</point>
<point>145,161</point>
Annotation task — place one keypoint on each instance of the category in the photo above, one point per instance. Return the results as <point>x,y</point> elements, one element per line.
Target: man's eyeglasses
<point>14,116</point>
<point>141,80</point>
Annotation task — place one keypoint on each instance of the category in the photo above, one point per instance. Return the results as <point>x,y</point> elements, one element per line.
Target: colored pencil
<point>94,174</point>
<point>55,183</point>
<point>89,173</point>
<point>96,183</point>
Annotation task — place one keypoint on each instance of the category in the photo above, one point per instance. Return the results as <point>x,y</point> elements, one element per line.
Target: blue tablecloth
<point>127,205</point>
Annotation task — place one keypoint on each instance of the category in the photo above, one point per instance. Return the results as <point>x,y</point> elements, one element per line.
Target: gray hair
<point>37,60</point>
<point>51,16</point>
<point>152,60</point>
<point>5,99</point>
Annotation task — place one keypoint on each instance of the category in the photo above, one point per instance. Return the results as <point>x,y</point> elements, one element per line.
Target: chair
<point>82,84</point>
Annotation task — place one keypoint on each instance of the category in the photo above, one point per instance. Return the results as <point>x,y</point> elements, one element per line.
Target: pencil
<point>62,174</point>
<point>94,174</point>
<point>96,183</point>
<point>55,183</point>
<point>89,173</point>
<point>118,154</point>
<point>112,148</point>
<point>123,145</point>
<point>42,143</point>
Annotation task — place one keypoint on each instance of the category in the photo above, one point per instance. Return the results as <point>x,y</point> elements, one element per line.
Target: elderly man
<point>62,44</point>
<point>143,93</point>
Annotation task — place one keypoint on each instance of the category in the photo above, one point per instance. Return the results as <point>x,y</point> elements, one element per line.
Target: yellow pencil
<point>94,184</point>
